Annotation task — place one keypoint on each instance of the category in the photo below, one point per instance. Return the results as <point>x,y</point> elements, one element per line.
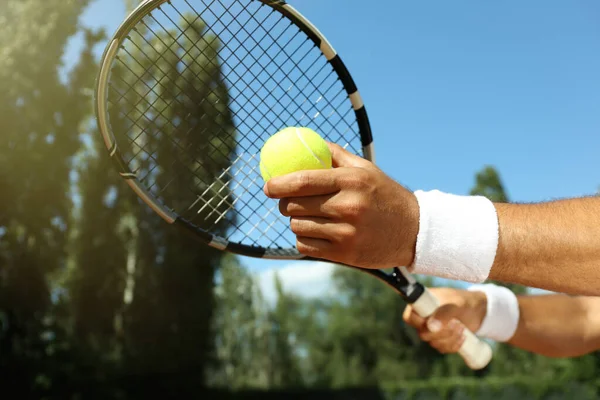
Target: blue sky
<point>451,86</point>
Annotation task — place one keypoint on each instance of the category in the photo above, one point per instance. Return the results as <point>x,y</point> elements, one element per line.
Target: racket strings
<point>164,74</point>
<point>143,113</point>
<point>245,219</point>
<point>201,96</point>
<point>250,35</point>
<point>218,195</point>
<point>207,202</point>
<point>181,90</point>
<point>256,61</point>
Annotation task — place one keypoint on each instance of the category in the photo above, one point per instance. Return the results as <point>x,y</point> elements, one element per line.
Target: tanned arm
<point>553,245</point>
<point>558,325</point>
<point>554,325</point>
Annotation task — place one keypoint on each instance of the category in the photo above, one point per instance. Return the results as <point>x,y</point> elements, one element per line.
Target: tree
<point>160,281</point>
<point>284,368</point>
<point>241,330</point>
<point>489,184</point>
<point>40,120</point>
<point>100,255</point>
<point>256,344</point>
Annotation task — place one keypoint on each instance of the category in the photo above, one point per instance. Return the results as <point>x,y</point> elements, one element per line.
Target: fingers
<point>316,228</point>
<point>321,237</point>
<point>342,158</point>
<point>413,319</point>
<point>315,182</point>
<point>446,313</point>
<point>441,323</point>
<point>312,247</point>
<point>314,206</point>
<point>440,317</point>
<point>441,330</point>
<point>342,206</point>
<point>450,339</point>
<point>321,228</point>
<point>302,183</point>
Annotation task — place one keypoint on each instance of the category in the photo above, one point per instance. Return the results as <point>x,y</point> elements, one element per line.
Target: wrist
<point>457,237</point>
<point>478,303</point>
<point>500,312</point>
<point>407,244</point>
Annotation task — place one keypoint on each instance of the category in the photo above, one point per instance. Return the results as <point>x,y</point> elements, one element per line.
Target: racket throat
<point>410,289</point>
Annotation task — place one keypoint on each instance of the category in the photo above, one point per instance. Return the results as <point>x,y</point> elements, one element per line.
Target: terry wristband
<point>502,315</point>
<point>458,236</point>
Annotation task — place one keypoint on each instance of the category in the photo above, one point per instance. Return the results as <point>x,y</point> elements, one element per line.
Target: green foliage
<point>489,184</point>
<point>40,118</point>
<point>100,288</point>
<point>155,284</point>
<point>285,367</point>
<point>255,344</point>
<point>240,330</point>
<point>517,387</point>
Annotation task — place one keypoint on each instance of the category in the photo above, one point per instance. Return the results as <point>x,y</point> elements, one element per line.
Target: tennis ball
<point>293,149</point>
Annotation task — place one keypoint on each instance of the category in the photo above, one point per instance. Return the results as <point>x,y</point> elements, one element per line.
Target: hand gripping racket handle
<point>476,353</point>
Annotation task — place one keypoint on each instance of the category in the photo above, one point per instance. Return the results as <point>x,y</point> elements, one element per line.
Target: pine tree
<point>489,184</point>
<point>160,281</point>
<point>40,119</point>
<point>285,368</point>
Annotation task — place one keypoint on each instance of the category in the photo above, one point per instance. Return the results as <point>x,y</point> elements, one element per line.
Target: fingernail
<point>266,189</point>
<point>434,325</point>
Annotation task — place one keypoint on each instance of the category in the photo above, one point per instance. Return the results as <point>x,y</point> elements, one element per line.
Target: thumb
<point>443,315</point>
<point>343,158</point>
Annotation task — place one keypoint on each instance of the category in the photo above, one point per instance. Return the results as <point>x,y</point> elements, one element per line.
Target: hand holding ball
<point>293,149</point>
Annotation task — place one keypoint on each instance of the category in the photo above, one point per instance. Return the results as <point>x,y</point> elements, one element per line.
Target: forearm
<point>558,325</point>
<point>554,245</point>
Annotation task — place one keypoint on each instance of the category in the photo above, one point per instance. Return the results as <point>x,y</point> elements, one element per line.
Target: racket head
<point>189,90</point>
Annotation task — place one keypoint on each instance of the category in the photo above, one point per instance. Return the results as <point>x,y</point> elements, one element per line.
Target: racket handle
<point>476,353</point>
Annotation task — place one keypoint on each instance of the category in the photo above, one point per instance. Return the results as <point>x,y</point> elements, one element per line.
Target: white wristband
<point>502,315</point>
<point>458,236</point>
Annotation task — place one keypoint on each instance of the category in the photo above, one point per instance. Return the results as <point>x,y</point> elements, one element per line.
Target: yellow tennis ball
<point>293,149</point>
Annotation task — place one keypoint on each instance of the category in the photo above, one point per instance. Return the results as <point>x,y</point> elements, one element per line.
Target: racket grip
<point>476,353</point>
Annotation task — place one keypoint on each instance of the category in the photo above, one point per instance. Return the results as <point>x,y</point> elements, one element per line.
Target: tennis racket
<point>187,93</point>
